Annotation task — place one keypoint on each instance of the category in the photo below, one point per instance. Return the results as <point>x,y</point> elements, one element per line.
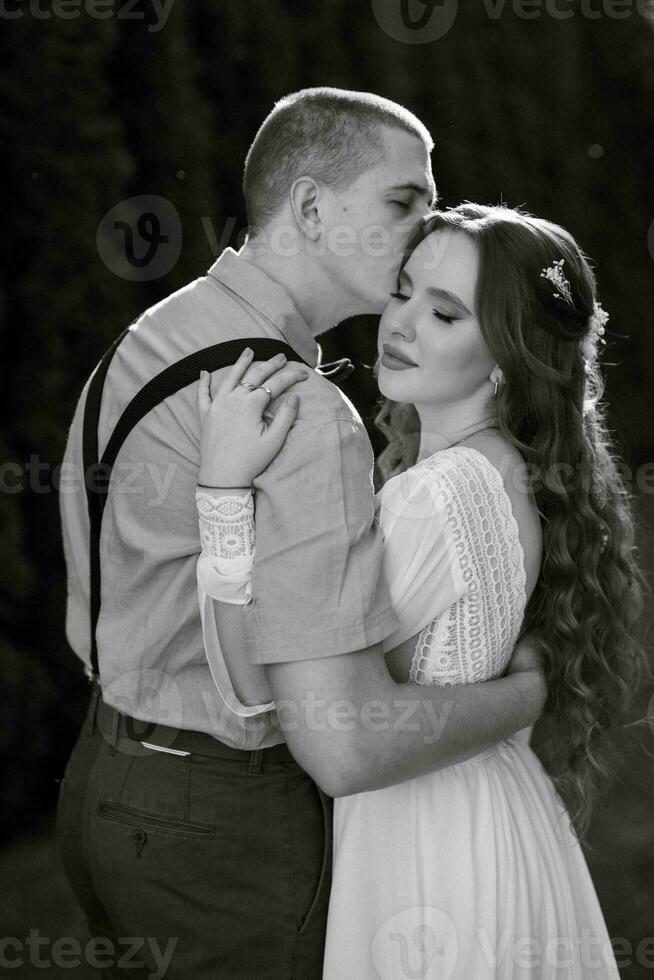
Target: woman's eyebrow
<point>439,293</point>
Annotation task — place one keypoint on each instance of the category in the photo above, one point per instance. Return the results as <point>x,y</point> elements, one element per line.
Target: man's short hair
<point>331,134</point>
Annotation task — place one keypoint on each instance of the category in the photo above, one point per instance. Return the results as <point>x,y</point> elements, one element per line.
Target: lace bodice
<point>471,638</point>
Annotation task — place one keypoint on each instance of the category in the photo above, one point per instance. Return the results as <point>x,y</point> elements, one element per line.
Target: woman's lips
<point>393,361</point>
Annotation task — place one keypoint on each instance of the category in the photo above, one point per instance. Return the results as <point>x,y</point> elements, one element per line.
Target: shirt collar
<point>269,299</point>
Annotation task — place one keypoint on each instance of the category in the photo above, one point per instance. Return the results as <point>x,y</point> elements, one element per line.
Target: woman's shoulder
<point>494,453</point>
<point>490,464</point>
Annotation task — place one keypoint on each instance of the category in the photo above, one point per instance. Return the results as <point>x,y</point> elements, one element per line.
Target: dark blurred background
<point>142,107</point>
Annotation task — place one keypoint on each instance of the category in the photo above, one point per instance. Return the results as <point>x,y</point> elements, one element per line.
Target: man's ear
<point>304,200</point>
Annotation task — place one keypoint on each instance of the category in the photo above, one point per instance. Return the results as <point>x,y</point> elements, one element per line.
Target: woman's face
<point>430,342</point>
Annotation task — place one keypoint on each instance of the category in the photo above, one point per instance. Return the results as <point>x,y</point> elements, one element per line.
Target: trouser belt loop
<point>112,735</point>
<point>254,763</point>
<point>93,707</point>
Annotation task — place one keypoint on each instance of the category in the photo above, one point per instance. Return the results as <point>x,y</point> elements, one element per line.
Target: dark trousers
<point>192,867</point>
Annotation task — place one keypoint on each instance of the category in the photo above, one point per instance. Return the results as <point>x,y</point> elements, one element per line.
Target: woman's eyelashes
<point>445,317</point>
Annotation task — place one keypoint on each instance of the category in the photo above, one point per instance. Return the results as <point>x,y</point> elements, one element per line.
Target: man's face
<point>366,227</point>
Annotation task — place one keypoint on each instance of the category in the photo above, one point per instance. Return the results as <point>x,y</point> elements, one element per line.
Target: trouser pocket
<point>120,813</point>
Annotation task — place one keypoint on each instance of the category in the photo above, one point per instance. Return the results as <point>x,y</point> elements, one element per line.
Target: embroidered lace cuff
<point>226,524</point>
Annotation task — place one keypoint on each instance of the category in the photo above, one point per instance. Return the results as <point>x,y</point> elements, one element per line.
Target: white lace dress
<point>473,872</point>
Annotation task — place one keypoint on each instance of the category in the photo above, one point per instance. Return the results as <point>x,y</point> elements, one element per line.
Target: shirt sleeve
<point>318,588</point>
<point>421,562</point>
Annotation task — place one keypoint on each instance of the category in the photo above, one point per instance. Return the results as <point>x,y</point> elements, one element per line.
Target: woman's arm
<point>250,681</point>
<point>226,524</point>
<point>224,571</point>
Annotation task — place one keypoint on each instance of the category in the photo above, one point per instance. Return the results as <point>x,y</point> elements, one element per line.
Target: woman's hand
<point>236,442</point>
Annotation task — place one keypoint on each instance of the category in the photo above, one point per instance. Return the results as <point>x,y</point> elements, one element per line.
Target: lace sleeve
<point>472,640</point>
<point>227,536</point>
<point>224,571</point>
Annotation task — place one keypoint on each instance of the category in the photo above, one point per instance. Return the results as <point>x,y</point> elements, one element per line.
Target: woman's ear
<point>497,375</point>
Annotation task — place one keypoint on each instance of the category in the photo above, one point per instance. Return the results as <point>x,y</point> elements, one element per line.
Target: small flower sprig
<point>554,273</point>
<point>596,330</point>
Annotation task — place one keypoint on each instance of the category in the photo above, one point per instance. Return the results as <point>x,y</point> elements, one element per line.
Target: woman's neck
<point>443,425</point>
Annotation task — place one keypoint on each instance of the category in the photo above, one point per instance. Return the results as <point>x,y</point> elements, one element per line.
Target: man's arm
<point>320,611</point>
<point>353,729</point>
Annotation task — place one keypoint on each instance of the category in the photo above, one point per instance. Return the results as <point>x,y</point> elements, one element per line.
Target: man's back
<point>150,644</point>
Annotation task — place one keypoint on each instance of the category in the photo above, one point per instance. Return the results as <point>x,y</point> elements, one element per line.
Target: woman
<point>509,516</point>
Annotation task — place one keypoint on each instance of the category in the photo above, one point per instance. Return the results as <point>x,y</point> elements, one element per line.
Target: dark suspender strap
<point>172,379</point>
<point>184,373</point>
<point>90,462</point>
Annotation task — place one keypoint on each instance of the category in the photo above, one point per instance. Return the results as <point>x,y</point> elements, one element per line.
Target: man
<point>213,834</point>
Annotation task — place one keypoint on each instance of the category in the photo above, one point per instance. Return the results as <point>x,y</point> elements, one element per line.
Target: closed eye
<point>443,316</point>
<point>401,204</point>
<point>399,295</point>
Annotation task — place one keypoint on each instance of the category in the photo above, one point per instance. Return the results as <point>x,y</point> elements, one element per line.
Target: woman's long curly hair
<point>589,595</point>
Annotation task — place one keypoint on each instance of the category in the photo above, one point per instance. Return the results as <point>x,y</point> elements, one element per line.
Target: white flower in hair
<point>555,275</point>
<point>596,321</point>
<point>596,329</point>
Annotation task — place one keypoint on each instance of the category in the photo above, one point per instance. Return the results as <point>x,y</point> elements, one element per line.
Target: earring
<point>497,384</point>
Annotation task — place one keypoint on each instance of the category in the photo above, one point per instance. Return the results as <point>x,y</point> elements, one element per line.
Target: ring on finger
<point>246,384</point>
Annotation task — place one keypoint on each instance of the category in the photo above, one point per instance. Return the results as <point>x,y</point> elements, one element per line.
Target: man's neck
<point>320,302</point>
